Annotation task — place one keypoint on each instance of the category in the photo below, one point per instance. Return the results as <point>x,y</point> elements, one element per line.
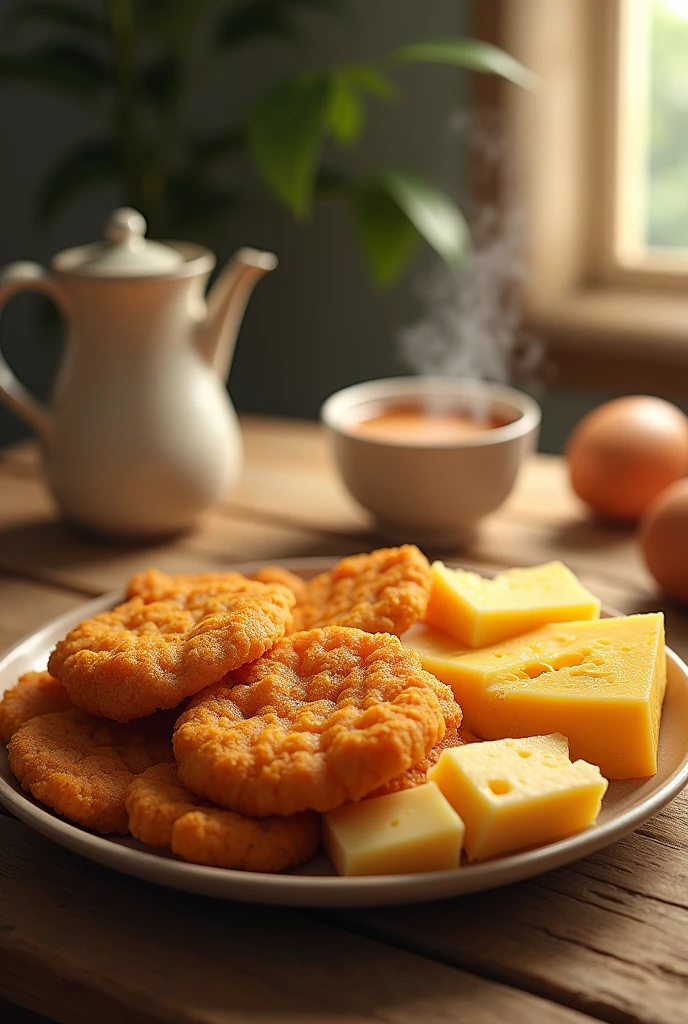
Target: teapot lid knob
<point>125,225</point>
<point>125,253</point>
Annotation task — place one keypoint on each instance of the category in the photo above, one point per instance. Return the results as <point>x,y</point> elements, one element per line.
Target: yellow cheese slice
<point>600,683</point>
<point>514,793</point>
<point>479,611</point>
<point>413,830</point>
<point>433,647</point>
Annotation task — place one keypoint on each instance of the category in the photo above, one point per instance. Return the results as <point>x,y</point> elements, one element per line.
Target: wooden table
<point>604,939</point>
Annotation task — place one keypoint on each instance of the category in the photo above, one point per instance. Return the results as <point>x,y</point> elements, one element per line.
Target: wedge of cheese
<point>599,683</point>
<point>479,611</point>
<point>410,831</point>
<point>433,647</point>
<point>514,793</point>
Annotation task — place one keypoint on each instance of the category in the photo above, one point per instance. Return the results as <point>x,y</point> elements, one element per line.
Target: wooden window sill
<point>615,337</point>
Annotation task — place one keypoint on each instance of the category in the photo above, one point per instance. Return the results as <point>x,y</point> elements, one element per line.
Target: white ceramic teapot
<point>140,436</point>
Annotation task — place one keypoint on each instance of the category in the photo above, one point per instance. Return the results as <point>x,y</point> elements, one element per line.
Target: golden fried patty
<point>325,717</point>
<point>163,812</point>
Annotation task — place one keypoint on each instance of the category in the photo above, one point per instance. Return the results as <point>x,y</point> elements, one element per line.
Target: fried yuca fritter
<point>278,574</point>
<point>418,774</point>
<point>36,693</point>
<point>163,812</point>
<point>325,717</point>
<point>154,585</point>
<point>139,657</point>
<point>383,592</point>
<point>82,766</point>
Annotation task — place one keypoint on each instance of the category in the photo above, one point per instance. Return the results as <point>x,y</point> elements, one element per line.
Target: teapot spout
<point>217,332</point>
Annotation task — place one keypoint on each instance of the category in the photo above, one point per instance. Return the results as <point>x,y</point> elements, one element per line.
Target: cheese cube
<point>514,793</point>
<point>600,683</point>
<point>413,830</point>
<point>479,611</point>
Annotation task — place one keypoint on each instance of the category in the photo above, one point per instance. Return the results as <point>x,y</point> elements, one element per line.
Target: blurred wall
<point>563,407</point>
<point>316,324</point>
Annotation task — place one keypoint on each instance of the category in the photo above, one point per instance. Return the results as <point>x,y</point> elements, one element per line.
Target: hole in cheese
<point>536,669</point>
<point>607,701</point>
<point>524,753</point>
<point>548,796</point>
<point>568,660</point>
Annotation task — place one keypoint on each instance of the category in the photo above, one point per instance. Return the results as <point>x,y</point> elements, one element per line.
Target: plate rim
<point>325,891</point>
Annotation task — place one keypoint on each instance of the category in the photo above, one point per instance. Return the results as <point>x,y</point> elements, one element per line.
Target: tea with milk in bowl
<point>427,424</point>
<point>429,457</point>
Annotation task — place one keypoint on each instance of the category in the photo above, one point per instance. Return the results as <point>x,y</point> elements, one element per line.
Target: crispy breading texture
<point>418,774</point>
<point>278,574</point>
<point>129,662</point>
<point>154,585</point>
<point>36,693</point>
<point>383,592</point>
<point>325,717</point>
<point>82,766</point>
<point>163,812</point>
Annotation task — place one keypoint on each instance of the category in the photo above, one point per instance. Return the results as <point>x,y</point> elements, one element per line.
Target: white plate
<point>626,805</point>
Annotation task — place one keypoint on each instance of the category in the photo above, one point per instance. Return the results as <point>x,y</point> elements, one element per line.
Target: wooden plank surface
<point>25,605</point>
<point>118,949</point>
<point>603,939</point>
<point>607,935</point>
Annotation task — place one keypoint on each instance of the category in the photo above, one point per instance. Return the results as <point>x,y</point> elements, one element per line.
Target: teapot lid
<point>127,252</point>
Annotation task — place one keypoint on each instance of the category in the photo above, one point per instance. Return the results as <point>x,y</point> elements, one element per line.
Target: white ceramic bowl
<point>433,494</point>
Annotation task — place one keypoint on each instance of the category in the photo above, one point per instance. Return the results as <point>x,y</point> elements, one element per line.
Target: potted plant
<point>136,66</point>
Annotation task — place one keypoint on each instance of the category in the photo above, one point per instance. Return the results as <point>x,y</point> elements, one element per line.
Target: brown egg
<point>664,540</point>
<point>625,452</point>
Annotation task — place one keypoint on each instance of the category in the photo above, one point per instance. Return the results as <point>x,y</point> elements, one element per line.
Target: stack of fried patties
<point>302,698</point>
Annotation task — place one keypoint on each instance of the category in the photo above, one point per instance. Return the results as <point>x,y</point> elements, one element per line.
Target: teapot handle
<point>14,278</point>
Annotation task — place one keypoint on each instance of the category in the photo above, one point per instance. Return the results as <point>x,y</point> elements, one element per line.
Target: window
<point>601,158</point>
<point>651,215</point>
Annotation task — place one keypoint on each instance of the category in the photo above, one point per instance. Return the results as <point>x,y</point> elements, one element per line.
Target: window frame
<point>624,321</point>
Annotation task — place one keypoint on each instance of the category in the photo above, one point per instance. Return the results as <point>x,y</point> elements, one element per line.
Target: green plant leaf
<point>67,69</point>
<point>286,131</point>
<point>55,14</point>
<point>345,111</point>
<point>89,165</point>
<point>385,233</point>
<point>433,214</point>
<point>370,80</point>
<point>217,145</point>
<point>473,54</point>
